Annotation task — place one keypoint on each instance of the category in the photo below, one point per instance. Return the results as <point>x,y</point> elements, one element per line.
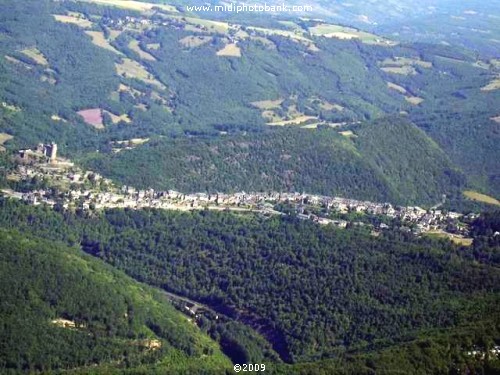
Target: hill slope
<point>388,160</point>
<point>62,310</point>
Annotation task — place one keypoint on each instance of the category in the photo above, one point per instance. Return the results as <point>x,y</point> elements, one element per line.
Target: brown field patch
<point>415,100</point>
<point>93,117</point>
<point>474,195</point>
<point>34,54</point>
<point>134,46</point>
<point>99,40</point>
<point>132,69</point>
<point>193,41</point>
<point>267,104</point>
<point>81,22</point>
<point>231,50</point>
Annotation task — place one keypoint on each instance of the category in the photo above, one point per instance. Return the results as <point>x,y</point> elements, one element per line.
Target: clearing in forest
<point>193,41</point>
<point>36,55</point>
<point>132,69</point>
<point>134,46</point>
<point>4,137</point>
<point>231,50</point>
<point>474,195</point>
<point>81,22</point>
<point>93,117</point>
<point>134,5</point>
<point>99,40</point>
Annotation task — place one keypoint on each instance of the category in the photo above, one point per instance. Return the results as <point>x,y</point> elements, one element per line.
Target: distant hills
<point>88,76</point>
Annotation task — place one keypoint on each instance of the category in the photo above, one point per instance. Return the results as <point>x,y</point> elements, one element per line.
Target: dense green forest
<point>387,160</point>
<point>319,292</point>
<point>111,319</point>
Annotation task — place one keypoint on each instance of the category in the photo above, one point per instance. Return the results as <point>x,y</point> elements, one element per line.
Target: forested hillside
<point>63,310</point>
<point>387,160</point>
<point>317,292</point>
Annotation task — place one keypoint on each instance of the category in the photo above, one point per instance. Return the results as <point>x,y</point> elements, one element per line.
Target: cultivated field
<point>36,55</point>
<point>474,195</point>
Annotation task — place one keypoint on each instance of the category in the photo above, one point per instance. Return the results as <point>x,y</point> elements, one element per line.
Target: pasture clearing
<point>493,85</point>
<point>193,41</point>
<point>483,198</point>
<point>134,46</point>
<point>115,119</point>
<point>132,69</point>
<point>496,119</point>
<point>403,70</point>
<point>99,40</point>
<point>58,118</point>
<point>230,50</point>
<point>414,100</point>
<point>10,107</point>
<point>397,88</point>
<point>153,46</point>
<point>267,104</point>
<point>34,54</point>
<point>346,33</point>
<point>456,239</point>
<point>134,5</point>
<point>295,121</point>
<point>81,22</point>
<point>4,137</point>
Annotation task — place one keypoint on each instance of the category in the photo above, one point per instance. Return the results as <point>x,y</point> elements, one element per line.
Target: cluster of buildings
<point>77,189</point>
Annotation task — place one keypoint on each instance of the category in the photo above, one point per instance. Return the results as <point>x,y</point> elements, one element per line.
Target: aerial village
<point>71,188</point>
